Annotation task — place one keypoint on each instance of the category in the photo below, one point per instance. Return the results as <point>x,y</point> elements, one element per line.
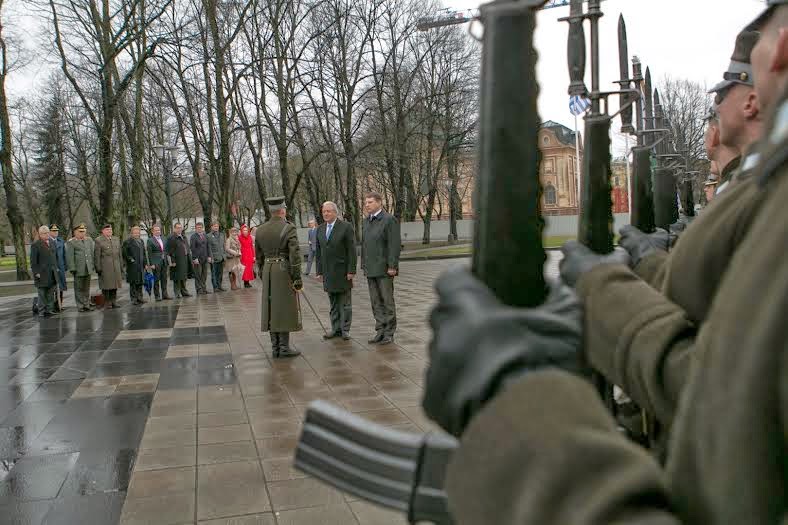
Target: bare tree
<point>13,212</point>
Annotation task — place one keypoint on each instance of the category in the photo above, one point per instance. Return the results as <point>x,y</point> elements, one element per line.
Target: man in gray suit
<point>199,248</point>
<point>380,248</point>
<point>312,240</point>
<point>336,266</point>
<point>216,256</point>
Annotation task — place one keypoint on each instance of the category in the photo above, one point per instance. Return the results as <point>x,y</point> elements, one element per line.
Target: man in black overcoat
<point>180,260</point>
<point>335,258</point>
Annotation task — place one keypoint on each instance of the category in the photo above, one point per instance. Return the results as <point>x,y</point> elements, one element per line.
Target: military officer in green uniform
<point>276,248</point>
<point>79,257</point>
<point>109,265</point>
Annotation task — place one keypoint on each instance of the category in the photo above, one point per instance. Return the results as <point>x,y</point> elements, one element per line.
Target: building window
<point>549,195</point>
<point>546,140</point>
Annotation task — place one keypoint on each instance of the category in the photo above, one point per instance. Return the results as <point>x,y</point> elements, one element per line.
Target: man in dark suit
<point>180,260</point>
<point>157,258</point>
<point>380,249</point>
<point>43,262</point>
<point>199,247</point>
<point>335,259</point>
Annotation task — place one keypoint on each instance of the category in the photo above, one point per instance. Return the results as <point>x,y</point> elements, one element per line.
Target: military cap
<point>766,14</point>
<point>54,228</point>
<point>81,227</point>
<point>740,70</point>
<point>711,180</point>
<point>107,225</point>
<point>276,203</point>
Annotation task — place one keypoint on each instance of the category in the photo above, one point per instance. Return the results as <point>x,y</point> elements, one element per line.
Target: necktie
<point>328,231</point>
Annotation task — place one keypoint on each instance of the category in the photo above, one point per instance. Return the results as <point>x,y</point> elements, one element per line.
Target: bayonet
<point>642,212</point>
<point>625,82</point>
<point>649,121</point>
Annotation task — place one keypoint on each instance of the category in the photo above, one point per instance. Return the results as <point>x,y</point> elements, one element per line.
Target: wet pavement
<point>175,413</point>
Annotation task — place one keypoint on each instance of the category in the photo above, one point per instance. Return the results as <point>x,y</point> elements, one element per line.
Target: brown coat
<point>641,337</point>
<point>546,452</point>
<point>108,262</point>
<point>276,247</point>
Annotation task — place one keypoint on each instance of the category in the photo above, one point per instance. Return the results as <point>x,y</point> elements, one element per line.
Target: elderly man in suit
<point>380,249</point>
<point>157,259</point>
<point>79,257</point>
<point>43,262</point>
<point>336,266</point>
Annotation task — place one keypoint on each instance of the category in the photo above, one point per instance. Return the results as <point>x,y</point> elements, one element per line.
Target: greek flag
<point>578,104</point>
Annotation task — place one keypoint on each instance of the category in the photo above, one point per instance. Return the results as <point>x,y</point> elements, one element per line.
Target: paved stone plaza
<point>175,413</point>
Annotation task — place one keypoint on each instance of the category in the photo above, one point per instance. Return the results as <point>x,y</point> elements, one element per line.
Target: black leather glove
<point>479,345</point>
<point>579,259</point>
<point>640,245</point>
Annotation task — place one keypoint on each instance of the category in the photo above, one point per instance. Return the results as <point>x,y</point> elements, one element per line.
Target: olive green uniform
<point>276,246</point>
<point>545,451</point>
<point>79,259</point>
<point>107,260</point>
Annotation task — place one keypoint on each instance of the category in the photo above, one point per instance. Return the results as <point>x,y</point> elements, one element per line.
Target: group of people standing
<point>174,258</point>
<point>332,248</point>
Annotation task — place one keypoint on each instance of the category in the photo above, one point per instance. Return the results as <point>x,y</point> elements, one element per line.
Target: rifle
<point>406,471</point>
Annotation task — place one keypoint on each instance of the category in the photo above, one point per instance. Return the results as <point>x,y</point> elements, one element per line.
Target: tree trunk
<point>13,212</point>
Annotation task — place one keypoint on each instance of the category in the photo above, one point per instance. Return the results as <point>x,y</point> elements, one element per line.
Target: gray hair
<point>332,204</point>
<point>43,229</point>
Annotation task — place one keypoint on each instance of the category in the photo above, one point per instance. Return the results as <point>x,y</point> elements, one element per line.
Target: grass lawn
<point>7,262</point>
<point>465,249</point>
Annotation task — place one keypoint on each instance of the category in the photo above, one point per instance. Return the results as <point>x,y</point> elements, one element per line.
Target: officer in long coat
<point>79,258</point>
<point>107,259</point>
<point>135,257</point>
<point>43,263</point>
<point>336,266</point>
<point>60,254</point>
<point>276,245</point>
<point>180,260</point>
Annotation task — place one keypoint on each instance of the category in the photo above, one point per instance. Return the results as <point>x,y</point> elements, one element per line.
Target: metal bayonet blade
<point>623,66</point>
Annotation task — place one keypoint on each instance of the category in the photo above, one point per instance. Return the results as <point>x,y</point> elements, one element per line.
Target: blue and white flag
<point>578,104</point>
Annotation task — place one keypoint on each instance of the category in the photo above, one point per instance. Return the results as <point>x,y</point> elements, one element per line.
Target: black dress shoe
<point>387,340</point>
<point>346,336</point>
<point>186,294</point>
<point>331,336</point>
<point>288,352</point>
<point>378,338</point>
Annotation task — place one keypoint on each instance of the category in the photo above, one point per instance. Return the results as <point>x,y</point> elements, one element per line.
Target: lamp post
<point>166,155</point>
<point>451,189</point>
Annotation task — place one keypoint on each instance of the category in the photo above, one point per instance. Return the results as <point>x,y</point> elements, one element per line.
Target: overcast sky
<point>690,39</point>
<point>683,38</point>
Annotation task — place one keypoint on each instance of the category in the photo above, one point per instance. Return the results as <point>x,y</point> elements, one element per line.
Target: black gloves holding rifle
<point>479,345</point>
<point>579,259</point>
<point>640,245</point>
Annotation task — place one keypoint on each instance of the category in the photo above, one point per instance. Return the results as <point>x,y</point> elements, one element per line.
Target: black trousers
<point>110,297</point>
<point>179,288</point>
<point>217,269</point>
<point>200,277</point>
<point>135,293</point>
<point>46,298</point>
<point>381,295</point>
<point>341,311</point>
<point>160,286</point>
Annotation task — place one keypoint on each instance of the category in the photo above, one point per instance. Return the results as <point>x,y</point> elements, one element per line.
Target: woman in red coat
<point>247,256</point>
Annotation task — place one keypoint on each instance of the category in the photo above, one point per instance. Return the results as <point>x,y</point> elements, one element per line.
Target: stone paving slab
<point>175,412</point>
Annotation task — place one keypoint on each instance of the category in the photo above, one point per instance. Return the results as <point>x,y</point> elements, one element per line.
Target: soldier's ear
<point>752,106</point>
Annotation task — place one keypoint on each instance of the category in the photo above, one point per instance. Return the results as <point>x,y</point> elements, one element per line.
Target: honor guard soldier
<point>276,247</point>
